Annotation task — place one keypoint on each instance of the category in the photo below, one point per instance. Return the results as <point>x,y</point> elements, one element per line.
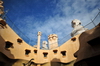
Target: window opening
<point>63,53</point>
<point>19,40</point>
<point>73,39</point>
<point>45,54</point>
<point>55,51</point>
<point>8,44</point>
<point>35,51</point>
<point>27,52</point>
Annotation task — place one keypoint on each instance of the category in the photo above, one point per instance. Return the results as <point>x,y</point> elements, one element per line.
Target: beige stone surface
<point>40,56</point>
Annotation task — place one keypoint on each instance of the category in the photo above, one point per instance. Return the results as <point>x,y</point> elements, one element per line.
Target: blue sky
<point>27,17</point>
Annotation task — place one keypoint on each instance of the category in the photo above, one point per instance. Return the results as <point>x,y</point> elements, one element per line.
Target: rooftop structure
<point>78,28</point>
<point>53,41</point>
<point>78,50</point>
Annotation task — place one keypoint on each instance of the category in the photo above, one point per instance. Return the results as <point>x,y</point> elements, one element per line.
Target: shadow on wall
<point>89,50</point>
<point>69,64</point>
<point>57,62</point>
<point>5,61</point>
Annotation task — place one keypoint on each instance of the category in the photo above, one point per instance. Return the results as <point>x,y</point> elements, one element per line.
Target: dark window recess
<point>19,40</point>
<point>55,51</point>
<point>94,41</point>
<point>73,39</point>
<point>35,51</point>
<point>63,53</point>
<point>27,51</point>
<point>8,44</point>
<point>45,54</point>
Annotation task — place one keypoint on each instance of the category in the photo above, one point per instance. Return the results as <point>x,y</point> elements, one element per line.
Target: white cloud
<point>61,25</point>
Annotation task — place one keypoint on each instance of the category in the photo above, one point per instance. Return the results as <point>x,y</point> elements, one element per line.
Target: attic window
<point>8,44</point>
<point>55,51</point>
<point>35,51</point>
<point>27,52</point>
<point>73,39</point>
<point>19,40</point>
<point>63,53</point>
<point>94,41</point>
<point>45,54</point>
